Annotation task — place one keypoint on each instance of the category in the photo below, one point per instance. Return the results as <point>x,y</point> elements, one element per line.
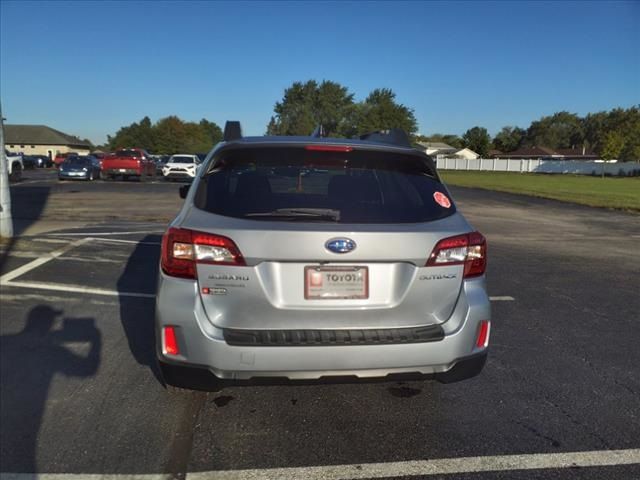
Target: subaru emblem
<point>340,245</point>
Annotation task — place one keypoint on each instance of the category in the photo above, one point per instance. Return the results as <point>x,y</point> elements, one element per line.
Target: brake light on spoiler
<point>469,250</point>
<point>329,148</point>
<point>183,249</point>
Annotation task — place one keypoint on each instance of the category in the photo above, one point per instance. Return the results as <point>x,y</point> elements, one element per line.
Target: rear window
<point>182,159</point>
<point>128,153</point>
<point>76,161</point>
<point>294,184</point>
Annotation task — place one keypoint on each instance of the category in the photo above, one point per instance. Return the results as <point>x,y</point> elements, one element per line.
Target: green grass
<point>609,192</point>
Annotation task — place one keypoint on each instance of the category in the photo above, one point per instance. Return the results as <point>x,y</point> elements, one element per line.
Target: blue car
<point>80,168</point>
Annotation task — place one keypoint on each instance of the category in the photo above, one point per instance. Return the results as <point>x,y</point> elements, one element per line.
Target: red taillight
<point>329,148</point>
<point>170,341</point>
<point>182,249</point>
<point>469,249</point>
<point>483,334</point>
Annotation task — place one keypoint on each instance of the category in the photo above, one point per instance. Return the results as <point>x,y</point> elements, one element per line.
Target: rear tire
<point>179,379</point>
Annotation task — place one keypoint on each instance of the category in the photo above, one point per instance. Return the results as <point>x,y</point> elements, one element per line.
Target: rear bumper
<point>75,176</point>
<point>182,175</point>
<point>120,171</point>
<point>202,344</point>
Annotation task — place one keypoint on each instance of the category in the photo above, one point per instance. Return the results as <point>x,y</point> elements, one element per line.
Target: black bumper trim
<point>319,338</point>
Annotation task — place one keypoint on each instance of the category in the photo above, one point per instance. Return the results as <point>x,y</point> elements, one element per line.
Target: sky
<point>89,68</point>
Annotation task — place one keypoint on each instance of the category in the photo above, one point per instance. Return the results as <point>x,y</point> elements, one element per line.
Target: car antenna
<point>319,132</point>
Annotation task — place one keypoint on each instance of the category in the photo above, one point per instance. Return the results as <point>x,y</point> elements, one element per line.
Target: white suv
<point>181,166</point>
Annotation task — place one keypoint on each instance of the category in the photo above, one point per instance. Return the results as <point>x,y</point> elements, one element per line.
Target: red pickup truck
<point>128,162</point>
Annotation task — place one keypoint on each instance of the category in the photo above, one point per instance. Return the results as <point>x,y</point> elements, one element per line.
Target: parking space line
<point>7,277</point>
<point>119,240</point>
<point>61,287</point>
<point>50,240</point>
<point>503,298</point>
<point>442,466</point>
<point>411,468</point>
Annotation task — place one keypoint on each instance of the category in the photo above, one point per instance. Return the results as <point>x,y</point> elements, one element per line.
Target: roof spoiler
<point>232,131</point>
<point>395,136</point>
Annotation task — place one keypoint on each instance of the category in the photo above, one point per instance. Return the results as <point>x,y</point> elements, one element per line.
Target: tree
<point>449,139</point>
<point>508,139</point>
<point>380,111</point>
<point>167,136</point>
<point>613,145</point>
<point>213,131</point>
<point>306,105</point>
<point>560,130</point>
<point>478,140</point>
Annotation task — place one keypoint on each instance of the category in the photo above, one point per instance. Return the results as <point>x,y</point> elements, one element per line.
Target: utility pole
<point>6,221</point>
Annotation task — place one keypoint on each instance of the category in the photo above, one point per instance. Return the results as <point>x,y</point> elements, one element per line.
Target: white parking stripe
<point>7,277</point>
<point>61,287</point>
<point>504,298</point>
<point>49,240</point>
<point>441,466</point>
<point>118,240</point>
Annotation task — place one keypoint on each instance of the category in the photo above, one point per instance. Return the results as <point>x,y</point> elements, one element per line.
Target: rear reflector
<point>170,341</point>
<point>182,249</point>
<point>483,334</point>
<point>469,250</point>
<point>329,148</point>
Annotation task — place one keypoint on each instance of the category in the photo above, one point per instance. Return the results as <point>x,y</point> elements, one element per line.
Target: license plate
<point>122,169</point>
<point>330,283</point>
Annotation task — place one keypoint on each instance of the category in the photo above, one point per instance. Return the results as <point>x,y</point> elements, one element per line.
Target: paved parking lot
<point>559,397</point>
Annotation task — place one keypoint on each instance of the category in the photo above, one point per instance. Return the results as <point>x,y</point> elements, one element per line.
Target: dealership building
<point>42,140</point>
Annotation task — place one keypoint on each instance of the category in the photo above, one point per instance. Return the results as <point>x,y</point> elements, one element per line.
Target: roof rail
<point>232,131</point>
<point>319,132</point>
<point>395,136</point>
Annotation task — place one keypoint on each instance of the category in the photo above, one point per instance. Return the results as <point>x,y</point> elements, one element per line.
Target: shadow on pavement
<point>27,204</point>
<point>28,362</point>
<point>138,314</point>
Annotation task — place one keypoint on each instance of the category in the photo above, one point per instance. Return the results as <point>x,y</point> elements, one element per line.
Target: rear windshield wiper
<point>300,214</point>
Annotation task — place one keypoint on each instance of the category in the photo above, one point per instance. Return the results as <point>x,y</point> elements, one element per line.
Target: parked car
<point>14,165</point>
<point>39,161</point>
<point>29,162</point>
<point>161,161</point>
<point>100,156</point>
<point>363,267</point>
<point>43,161</point>
<point>128,162</point>
<point>84,167</point>
<point>181,167</point>
<point>61,157</point>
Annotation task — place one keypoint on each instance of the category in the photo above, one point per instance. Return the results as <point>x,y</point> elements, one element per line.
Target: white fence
<point>580,167</point>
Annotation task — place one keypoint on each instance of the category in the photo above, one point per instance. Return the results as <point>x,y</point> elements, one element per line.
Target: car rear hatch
<point>315,239</point>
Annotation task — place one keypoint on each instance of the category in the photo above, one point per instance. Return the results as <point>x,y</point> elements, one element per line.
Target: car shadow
<point>137,314</point>
<point>29,360</point>
<point>27,205</point>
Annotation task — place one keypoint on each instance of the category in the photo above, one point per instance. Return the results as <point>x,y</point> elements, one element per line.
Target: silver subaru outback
<point>311,257</point>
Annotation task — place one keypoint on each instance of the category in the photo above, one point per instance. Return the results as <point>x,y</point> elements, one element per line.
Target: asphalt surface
<point>80,394</point>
